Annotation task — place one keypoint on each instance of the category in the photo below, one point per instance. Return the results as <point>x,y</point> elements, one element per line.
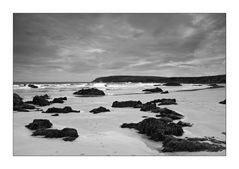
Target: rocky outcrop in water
<point>89,92</point>
<point>32,86</point>
<point>66,109</point>
<point>99,110</point>
<point>154,90</point>
<point>39,124</point>
<point>130,103</point>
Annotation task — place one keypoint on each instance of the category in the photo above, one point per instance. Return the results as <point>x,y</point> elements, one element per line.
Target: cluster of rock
<point>19,105</point>
<point>87,92</point>
<point>42,128</point>
<point>99,110</point>
<point>43,100</point>
<point>155,90</point>
<point>165,130</point>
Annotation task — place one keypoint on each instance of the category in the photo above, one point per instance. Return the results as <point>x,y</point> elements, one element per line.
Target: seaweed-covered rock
<point>172,84</point>
<point>134,104</point>
<point>99,110</point>
<point>40,101</point>
<point>223,102</point>
<point>156,129</point>
<point>66,109</point>
<point>89,92</point>
<point>172,144</point>
<point>165,112</point>
<point>32,86</point>
<point>167,102</point>
<point>68,134</point>
<point>154,90</point>
<point>39,124</point>
<point>184,124</point>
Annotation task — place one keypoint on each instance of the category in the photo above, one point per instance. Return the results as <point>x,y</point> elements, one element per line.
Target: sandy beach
<point>100,134</point>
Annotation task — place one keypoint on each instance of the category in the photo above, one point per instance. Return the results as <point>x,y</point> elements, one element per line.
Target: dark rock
<point>166,119</point>
<point>211,139</point>
<point>167,102</point>
<point>172,144</point>
<point>89,92</point>
<point>32,86</point>
<point>99,110</point>
<point>17,100</point>
<point>69,138</point>
<point>55,114</point>
<point>156,129</point>
<point>46,96</point>
<point>19,105</point>
<point>40,101</point>
<point>128,125</point>
<point>134,104</point>
<point>183,124</point>
<point>144,116</point>
<point>172,84</point>
<point>154,90</point>
<point>164,92</point>
<point>223,102</point>
<point>68,134</point>
<point>165,112</point>
<point>59,100</point>
<point>66,109</point>
<point>28,106</point>
<point>148,107</point>
<point>39,124</point>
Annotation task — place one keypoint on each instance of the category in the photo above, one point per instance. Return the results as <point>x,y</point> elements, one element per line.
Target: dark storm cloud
<point>80,47</point>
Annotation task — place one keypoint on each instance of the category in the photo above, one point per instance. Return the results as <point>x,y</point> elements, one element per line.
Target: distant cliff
<point>156,79</point>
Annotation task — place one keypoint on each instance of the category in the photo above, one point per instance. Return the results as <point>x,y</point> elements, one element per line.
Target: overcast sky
<point>81,47</point>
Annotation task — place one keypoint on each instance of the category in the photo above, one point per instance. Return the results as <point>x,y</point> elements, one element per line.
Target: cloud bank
<point>81,47</point>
